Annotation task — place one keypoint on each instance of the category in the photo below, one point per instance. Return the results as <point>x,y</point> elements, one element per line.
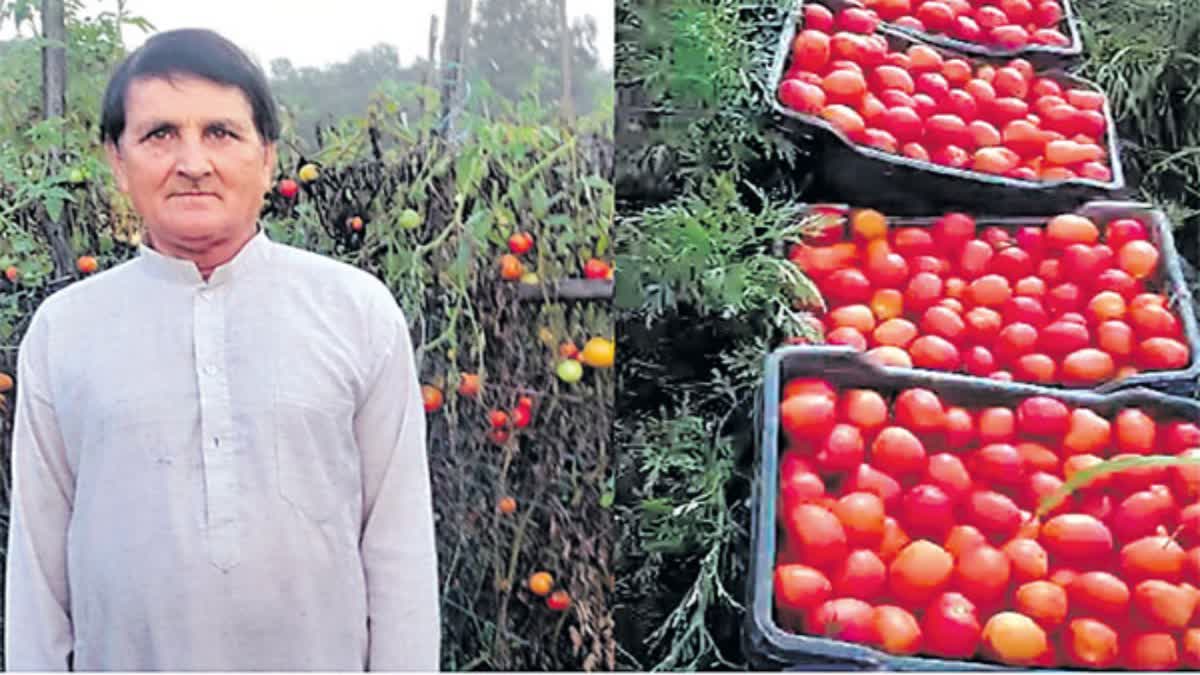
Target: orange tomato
<point>431,396</point>
<point>540,583</point>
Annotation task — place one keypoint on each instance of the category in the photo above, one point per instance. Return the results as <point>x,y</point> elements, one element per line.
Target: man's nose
<point>192,160</point>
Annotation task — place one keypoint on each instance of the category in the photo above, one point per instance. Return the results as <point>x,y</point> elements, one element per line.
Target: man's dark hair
<point>196,52</point>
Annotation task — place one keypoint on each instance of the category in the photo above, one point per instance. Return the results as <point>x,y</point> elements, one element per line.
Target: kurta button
<point>210,369</point>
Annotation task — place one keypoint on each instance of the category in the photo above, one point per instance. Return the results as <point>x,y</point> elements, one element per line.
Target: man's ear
<point>269,158</point>
<point>117,164</point>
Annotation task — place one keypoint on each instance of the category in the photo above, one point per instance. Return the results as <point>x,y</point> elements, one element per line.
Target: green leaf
<point>606,499</point>
<point>54,207</point>
<point>1082,478</point>
<point>596,182</point>
<point>480,224</point>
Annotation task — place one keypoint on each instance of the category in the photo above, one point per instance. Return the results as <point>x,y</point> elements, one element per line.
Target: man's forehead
<point>154,96</point>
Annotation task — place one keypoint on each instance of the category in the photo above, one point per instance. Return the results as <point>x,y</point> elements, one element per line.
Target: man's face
<point>191,160</point>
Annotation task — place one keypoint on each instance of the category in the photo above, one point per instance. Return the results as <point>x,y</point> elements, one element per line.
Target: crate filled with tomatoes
<point>1045,32</point>
<point>913,128</point>
<point>1093,298</point>
<point>917,520</point>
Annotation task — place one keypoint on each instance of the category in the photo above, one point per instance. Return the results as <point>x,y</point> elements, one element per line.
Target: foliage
<point>692,77</point>
<point>513,44</point>
<point>710,251</point>
<point>517,168</point>
<point>1144,55</point>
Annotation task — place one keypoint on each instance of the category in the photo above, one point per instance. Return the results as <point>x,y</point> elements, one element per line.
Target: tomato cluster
<point>1008,24</point>
<point>1006,120</point>
<point>1057,304</point>
<point>921,527</point>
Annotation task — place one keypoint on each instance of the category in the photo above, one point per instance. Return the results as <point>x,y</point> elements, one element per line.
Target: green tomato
<point>76,176</point>
<point>410,220</point>
<point>569,371</point>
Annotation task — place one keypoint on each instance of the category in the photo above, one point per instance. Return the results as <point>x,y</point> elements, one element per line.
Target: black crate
<point>1170,282</point>
<point>901,185</point>
<point>768,646</point>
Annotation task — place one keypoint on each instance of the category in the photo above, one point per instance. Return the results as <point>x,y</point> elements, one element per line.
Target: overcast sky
<point>319,33</point>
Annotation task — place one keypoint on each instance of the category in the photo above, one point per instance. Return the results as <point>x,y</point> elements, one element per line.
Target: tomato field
<point>493,234</point>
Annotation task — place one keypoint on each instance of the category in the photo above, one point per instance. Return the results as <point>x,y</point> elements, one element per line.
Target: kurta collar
<point>179,270</point>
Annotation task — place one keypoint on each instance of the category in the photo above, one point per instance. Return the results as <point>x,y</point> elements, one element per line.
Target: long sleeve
<point>398,548</point>
<point>38,633</point>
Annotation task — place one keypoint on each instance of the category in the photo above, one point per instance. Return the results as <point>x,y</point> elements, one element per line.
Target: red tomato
<point>978,361</point>
<point>927,512</point>
<point>998,161</point>
<point>847,619</point>
<point>924,59</point>
<point>1048,14</point>
<point>950,627</point>
<point>802,97</point>
<point>877,138</point>
<point>898,452</point>
<point>983,573</point>
<point>842,449</point>
<point>1160,353</point>
<point>844,119</point>
<point>1015,340</point>
<point>861,575</point>
<point>1043,416</point>
<point>1010,82</point>
<point>1085,99</point>
<point>891,77</point>
<point>924,105</point>
<point>995,514</point>
<point>810,50</point>
<point>818,17</point>
<point>848,286</point>
<point>923,291</point>
<point>990,17</point>
<point>983,325</point>
<point>931,351</point>
<point>1050,36</point>
<point>1010,37</point>
<point>845,85</point>
<point>857,20</point>
<point>915,151</point>
<point>984,134</point>
<point>1024,138</point>
<point>819,534</point>
<point>1077,538</point>
<point>807,416</point>
<point>1063,337</point>
<point>800,588</point>
<point>867,478</point>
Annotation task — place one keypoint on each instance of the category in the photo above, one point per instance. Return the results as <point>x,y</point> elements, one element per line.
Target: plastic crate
<point>1171,282</point>
<point>902,185</point>
<point>768,646</point>
<point>1041,56</point>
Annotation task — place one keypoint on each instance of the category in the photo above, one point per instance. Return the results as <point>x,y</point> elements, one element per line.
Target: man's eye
<point>218,132</point>
<point>160,134</point>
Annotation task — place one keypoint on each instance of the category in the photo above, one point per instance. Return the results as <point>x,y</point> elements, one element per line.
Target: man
<point>219,452</point>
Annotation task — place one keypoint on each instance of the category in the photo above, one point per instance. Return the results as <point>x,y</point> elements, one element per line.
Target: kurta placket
<point>216,427</point>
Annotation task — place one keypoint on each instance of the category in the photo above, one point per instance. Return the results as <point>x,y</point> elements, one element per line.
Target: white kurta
<point>221,475</point>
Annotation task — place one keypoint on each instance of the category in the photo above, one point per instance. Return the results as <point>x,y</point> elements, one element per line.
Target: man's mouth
<point>194,193</point>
